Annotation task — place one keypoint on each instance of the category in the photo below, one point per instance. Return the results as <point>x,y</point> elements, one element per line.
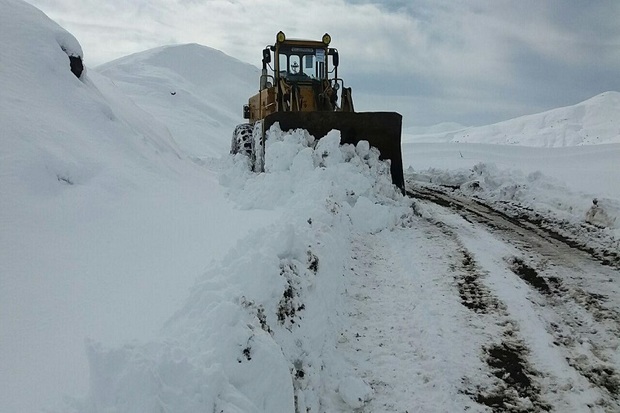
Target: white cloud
<point>439,50</point>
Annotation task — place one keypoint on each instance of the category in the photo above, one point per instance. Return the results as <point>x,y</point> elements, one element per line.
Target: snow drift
<point>104,222</point>
<point>258,331</point>
<point>88,127</point>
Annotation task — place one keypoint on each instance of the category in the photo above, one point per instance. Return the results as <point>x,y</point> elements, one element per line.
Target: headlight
<point>327,38</point>
<point>280,37</point>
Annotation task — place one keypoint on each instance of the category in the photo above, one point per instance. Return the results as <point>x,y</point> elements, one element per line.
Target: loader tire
<point>242,141</point>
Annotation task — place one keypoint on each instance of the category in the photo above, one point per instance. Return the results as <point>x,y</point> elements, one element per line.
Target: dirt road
<point>464,308</point>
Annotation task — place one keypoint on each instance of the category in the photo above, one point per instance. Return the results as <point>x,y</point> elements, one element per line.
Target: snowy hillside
<point>592,122</point>
<point>433,129</point>
<point>198,92</point>
<point>143,269</point>
<point>104,223</point>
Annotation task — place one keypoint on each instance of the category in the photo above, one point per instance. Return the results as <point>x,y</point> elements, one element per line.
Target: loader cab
<point>301,64</point>
<point>299,61</point>
<point>298,75</point>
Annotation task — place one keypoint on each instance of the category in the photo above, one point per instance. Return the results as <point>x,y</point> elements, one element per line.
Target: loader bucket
<point>381,129</point>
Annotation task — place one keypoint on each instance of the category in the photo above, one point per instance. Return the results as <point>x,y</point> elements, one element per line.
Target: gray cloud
<point>473,62</point>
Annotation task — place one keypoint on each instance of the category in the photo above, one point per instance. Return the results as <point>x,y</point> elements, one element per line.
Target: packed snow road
<point>475,311</point>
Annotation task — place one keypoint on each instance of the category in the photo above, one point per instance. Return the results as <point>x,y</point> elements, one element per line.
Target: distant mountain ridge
<point>198,92</point>
<point>592,122</point>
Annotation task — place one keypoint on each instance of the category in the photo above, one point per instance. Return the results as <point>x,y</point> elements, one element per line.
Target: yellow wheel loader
<point>303,91</point>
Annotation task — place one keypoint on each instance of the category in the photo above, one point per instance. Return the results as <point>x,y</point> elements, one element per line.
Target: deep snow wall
<point>91,189</point>
<point>258,332</point>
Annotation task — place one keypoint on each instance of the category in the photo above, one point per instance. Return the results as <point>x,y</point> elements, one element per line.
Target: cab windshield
<point>302,63</point>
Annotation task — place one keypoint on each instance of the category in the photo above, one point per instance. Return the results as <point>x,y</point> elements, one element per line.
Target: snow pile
<point>103,224</point>
<point>258,332</point>
<point>603,213</point>
<point>196,90</point>
<point>87,125</point>
<point>535,191</point>
<point>592,122</point>
<point>355,392</point>
<point>492,183</point>
<point>27,27</point>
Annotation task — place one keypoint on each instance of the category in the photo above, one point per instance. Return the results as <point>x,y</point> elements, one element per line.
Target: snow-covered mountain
<point>595,121</point>
<point>198,92</point>
<point>196,285</point>
<point>433,129</point>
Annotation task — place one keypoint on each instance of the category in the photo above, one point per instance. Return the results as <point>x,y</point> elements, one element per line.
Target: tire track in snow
<point>584,324</point>
<point>409,337</point>
<point>516,386</point>
<point>569,296</point>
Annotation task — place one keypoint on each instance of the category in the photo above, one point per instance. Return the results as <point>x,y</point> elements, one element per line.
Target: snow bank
<point>102,222</point>
<point>541,194</point>
<point>49,44</point>
<point>258,332</point>
<point>89,126</point>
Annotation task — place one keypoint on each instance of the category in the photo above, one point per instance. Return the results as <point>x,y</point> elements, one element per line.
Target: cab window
<point>300,63</point>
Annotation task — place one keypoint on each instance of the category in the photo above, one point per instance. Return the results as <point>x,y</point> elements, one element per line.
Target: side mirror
<point>266,56</point>
<point>335,58</point>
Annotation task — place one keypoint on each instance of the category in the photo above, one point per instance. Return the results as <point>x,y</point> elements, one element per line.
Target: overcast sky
<point>468,61</point>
